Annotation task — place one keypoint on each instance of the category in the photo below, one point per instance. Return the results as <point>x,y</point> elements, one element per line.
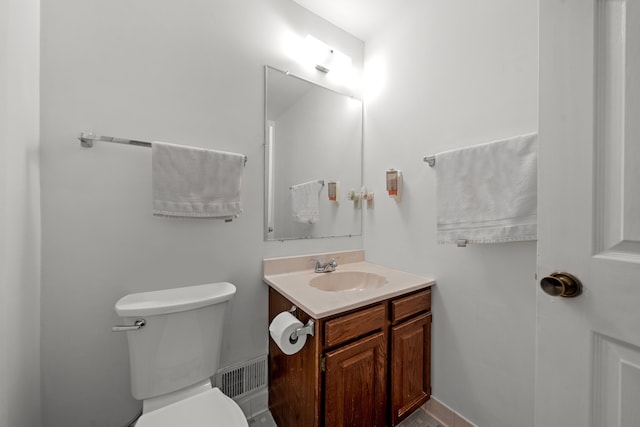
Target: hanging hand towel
<point>196,182</point>
<point>305,202</point>
<point>488,193</point>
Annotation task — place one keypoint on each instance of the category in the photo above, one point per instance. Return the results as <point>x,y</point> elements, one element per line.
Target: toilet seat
<point>211,408</point>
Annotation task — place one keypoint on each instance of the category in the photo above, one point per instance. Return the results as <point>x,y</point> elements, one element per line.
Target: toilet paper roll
<point>281,328</point>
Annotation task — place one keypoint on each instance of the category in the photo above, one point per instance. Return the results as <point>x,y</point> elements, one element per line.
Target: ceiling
<point>358,17</point>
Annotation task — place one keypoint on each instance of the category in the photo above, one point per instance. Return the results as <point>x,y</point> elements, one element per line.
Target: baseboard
<point>445,415</point>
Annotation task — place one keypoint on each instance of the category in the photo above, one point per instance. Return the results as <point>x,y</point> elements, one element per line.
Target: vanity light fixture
<point>324,57</point>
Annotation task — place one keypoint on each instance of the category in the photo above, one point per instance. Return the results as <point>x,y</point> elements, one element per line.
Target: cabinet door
<point>410,366</point>
<point>356,383</point>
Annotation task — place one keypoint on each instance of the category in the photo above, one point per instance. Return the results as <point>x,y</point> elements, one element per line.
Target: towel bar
<point>320,181</point>
<point>87,139</point>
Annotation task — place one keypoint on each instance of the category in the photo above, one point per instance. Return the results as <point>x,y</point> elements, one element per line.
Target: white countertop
<point>294,285</point>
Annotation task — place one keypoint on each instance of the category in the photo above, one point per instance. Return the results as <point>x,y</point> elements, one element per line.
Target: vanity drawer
<point>405,307</point>
<point>353,325</point>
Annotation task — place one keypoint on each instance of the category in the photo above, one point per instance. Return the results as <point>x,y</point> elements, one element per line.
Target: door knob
<point>561,284</point>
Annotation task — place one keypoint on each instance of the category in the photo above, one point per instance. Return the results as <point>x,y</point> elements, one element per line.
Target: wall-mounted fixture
<point>365,195</point>
<point>355,197</point>
<point>333,191</point>
<point>358,197</point>
<point>324,57</point>
<point>394,184</point>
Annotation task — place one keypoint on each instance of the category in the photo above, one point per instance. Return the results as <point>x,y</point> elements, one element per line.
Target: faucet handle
<point>319,266</point>
<point>322,267</point>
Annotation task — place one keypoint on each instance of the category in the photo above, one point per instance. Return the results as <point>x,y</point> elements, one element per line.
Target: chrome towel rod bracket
<point>88,138</point>
<point>430,160</point>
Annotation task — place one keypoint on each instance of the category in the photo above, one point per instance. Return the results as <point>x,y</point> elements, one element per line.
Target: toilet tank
<point>180,343</point>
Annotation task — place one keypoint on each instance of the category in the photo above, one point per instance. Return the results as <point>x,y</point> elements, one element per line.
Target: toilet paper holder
<point>307,329</point>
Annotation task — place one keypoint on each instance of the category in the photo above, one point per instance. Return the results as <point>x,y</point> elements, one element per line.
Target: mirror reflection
<point>313,159</point>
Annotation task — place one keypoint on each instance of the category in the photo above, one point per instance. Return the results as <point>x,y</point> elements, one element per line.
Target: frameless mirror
<point>313,146</point>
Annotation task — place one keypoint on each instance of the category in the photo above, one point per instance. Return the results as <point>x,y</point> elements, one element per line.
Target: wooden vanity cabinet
<point>365,367</point>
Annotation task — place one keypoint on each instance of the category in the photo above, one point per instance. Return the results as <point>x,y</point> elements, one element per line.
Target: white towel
<point>305,202</point>
<point>488,193</point>
<point>196,182</point>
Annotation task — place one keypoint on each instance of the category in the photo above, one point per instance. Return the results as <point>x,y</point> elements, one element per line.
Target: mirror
<point>313,138</point>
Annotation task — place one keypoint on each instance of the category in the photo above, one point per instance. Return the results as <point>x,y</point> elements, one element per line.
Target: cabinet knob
<point>561,284</point>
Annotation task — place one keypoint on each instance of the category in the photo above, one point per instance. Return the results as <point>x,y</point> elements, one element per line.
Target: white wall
<point>19,215</point>
<point>447,75</point>
<point>188,73</point>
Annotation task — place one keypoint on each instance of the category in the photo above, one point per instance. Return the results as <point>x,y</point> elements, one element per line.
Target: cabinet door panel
<point>355,383</point>
<point>411,366</point>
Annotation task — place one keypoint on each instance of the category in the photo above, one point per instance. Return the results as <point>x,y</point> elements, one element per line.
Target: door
<point>588,347</point>
<point>356,383</point>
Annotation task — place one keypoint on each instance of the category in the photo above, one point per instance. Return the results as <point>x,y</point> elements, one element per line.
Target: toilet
<point>174,340</point>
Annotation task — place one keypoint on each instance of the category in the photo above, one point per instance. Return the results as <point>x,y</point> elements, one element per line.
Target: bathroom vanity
<point>368,362</point>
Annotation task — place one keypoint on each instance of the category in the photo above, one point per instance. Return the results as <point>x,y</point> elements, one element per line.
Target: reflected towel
<point>305,202</point>
<point>488,193</point>
<point>196,182</point>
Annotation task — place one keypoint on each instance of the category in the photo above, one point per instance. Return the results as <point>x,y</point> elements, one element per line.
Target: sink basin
<point>340,281</point>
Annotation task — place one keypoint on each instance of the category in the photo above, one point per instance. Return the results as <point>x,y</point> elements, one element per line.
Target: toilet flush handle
<point>138,324</point>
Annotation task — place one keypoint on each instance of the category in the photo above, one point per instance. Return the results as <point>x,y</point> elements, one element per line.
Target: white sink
<point>340,281</point>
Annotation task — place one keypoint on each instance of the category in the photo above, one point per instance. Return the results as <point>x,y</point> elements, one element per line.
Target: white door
<point>588,347</point>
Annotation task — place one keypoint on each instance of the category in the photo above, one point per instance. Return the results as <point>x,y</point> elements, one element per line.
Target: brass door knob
<point>561,284</point>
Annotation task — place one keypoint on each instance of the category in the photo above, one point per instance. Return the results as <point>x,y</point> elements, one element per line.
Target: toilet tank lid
<point>174,300</point>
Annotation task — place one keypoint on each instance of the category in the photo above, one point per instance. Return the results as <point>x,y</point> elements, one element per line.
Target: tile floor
<point>418,419</point>
<point>263,420</point>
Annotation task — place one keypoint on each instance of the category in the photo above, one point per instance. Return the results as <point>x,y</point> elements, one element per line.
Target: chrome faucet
<point>326,268</point>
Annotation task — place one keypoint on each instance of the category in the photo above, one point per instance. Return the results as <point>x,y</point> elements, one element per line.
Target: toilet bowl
<point>174,338</point>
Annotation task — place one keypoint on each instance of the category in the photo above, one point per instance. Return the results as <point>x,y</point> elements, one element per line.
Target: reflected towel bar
<point>430,160</point>
<point>320,181</point>
<point>87,139</point>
